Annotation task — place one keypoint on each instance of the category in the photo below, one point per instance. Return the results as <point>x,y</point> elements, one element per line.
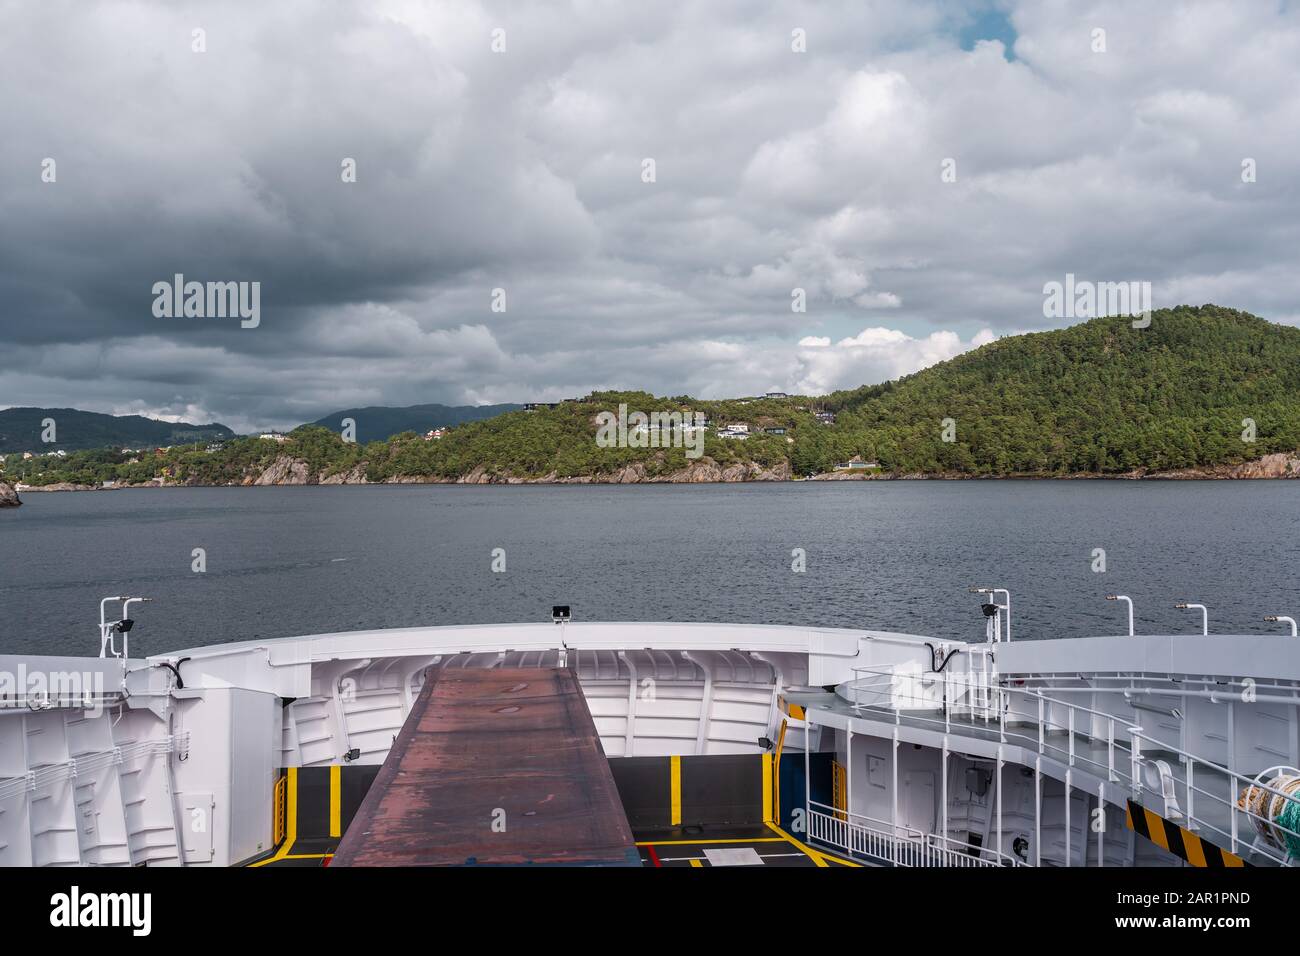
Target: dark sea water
<point>890,555</point>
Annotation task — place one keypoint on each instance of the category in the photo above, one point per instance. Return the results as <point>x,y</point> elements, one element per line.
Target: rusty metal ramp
<point>493,767</point>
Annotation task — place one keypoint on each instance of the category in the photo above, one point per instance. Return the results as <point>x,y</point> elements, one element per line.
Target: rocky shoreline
<point>288,471</point>
<point>1279,465</point>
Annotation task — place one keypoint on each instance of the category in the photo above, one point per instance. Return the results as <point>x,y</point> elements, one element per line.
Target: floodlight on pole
<point>1129,601</point>
<point>1205,615</point>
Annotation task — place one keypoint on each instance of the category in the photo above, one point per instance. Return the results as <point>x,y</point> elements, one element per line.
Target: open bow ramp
<point>493,766</point>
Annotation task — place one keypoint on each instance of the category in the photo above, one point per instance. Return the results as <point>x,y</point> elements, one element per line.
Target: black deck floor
<point>758,845</point>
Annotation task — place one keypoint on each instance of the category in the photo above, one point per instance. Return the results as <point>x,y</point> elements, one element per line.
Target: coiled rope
<point>1275,817</point>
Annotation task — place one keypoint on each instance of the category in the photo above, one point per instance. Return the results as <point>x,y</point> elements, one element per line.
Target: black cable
<point>935,666</point>
<point>175,669</point>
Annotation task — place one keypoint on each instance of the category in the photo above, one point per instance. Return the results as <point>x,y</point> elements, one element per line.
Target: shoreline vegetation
<point>1201,393</point>
<point>1276,466</point>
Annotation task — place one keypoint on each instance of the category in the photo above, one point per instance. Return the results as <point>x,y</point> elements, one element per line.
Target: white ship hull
<point>1021,753</point>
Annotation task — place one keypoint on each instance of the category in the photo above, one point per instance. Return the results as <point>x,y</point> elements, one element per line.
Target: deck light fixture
<point>1283,620</point>
<point>1006,607</point>
<point>1205,615</point>
<point>107,645</point>
<point>1129,600</point>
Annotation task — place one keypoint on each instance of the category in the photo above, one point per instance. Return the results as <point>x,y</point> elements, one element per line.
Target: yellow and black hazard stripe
<point>1179,841</point>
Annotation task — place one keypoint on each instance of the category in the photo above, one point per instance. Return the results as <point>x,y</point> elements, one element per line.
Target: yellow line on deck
<point>336,800</point>
<point>675,789</point>
<point>696,863</point>
<point>817,856</point>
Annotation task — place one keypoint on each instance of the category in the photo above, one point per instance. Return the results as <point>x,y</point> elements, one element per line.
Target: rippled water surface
<point>893,555</point>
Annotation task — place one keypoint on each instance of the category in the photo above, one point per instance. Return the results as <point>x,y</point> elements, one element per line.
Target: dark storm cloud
<point>521,170</point>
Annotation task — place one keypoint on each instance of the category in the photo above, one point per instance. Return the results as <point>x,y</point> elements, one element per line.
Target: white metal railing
<point>48,774</point>
<point>977,696</point>
<point>856,838</point>
<point>900,845</point>
<point>1107,746</point>
<point>953,852</point>
<point>70,700</point>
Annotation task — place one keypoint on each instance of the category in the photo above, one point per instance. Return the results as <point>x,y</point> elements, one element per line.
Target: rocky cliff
<point>287,470</point>
<point>1281,465</point>
<point>697,472</point>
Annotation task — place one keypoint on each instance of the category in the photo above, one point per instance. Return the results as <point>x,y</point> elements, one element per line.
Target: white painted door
<point>918,800</point>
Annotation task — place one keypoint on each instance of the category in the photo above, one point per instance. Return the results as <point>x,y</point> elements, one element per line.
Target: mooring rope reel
<point>1275,817</point>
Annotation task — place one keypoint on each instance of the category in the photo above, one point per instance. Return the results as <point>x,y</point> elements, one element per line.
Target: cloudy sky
<point>523,169</point>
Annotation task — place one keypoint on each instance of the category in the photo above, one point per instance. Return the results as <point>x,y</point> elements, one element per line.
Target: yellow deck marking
<point>675,789</point>
<point>696,863</point>
<point>1195,852</point>
<point>336,800</point>
<point>291,820</point>
<point>817,856</point>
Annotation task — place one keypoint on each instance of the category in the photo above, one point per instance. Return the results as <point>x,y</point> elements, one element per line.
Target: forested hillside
<point>1191,390</point>
<point>1097,397</point>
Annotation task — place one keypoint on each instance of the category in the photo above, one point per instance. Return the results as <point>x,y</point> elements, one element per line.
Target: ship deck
<point>718,846</point>
<point>765,845</point>
<point>495,766</point>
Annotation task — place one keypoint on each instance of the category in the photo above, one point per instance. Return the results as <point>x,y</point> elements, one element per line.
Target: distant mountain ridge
<point>74,430</point>
<point>377,422</point>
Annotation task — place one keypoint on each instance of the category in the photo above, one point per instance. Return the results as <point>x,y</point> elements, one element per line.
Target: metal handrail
<point>912,832</point>
<point>964,683</point>
<point>915,849</point>
<point>88,763</point>
<point>889,672</point>
<point>1000,698</point>
<point>964,848</point>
